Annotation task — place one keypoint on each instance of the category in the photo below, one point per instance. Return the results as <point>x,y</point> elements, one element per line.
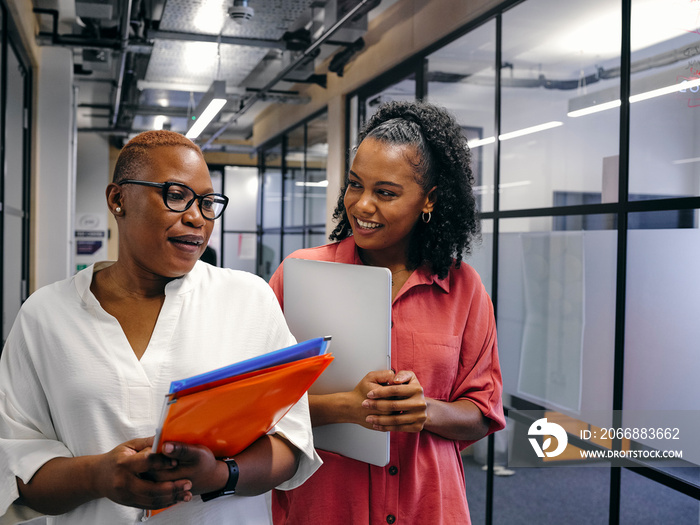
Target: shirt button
<point>390,518</point>
<point>393,471</point>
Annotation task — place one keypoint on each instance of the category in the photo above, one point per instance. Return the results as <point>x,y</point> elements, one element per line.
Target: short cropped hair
<point>135,153</point>
<point>443,162</point>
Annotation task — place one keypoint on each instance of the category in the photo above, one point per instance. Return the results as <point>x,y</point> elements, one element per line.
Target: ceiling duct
<point>102,9</point>
<point>303,70</point>
<point>346,40</point>
<point>247,103</point>
<point>354,28</point>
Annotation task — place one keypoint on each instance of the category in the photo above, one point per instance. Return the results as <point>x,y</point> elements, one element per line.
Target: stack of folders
<point>229,408</point>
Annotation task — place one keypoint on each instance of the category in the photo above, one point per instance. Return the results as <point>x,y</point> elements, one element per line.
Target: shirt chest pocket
<point>435,359</point>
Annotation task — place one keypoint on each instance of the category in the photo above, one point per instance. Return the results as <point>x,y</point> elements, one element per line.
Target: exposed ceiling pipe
<point>110,131</point>
<point>152,34</point>
<point>248,103</point>
<point>126,23</point>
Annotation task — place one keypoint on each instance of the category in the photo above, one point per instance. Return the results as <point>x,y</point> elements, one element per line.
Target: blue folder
<point>310,348</point>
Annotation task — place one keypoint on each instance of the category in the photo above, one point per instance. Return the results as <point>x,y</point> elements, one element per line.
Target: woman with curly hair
<point>407,205</point>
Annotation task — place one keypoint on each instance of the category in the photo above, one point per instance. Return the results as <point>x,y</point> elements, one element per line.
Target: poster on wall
<point>90,240</point>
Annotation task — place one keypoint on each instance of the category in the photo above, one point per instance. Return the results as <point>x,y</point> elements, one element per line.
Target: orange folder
<point>229,417</point>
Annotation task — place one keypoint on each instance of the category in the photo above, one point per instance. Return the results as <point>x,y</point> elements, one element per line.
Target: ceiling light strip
<point>477,143</point>
<point>681,87</point>
<point>205,118</point>
<point>532,129</point>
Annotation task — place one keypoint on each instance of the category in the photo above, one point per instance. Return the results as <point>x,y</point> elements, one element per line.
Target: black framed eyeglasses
<point>179,197</point>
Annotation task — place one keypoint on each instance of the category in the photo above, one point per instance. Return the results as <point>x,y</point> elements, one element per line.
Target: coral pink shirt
<point>444,330</point>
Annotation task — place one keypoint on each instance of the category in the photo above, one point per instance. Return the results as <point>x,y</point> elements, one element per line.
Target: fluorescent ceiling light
<point>209,17</point>
<point>686,161</point>
<point>200,59</point>
<point>680,87</point>
<point>319,184</point>
<point>533,129</point>
<point>205,118</point>
<point>159,121</point>
<point>594,109</point>
<point>477,143</point>
<point>170,86</point>
<point>209,107</point>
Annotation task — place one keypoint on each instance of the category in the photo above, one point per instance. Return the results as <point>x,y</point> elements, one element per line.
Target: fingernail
<point>365,404</point>
<point>188,485</point>
<point>370,394</point>
<point>168,448</point>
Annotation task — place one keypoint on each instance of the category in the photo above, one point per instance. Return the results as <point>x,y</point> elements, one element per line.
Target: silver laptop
<point>352,303</point>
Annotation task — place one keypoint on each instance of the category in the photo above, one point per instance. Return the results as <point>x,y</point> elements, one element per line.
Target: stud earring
<point>118,209</point>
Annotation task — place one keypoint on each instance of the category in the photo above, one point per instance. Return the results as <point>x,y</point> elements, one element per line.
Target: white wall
<point>92,177</point>
<point>55,183</point>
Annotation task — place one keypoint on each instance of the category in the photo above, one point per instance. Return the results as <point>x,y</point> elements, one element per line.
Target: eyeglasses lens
<point>179,198</point>
<point>212,206</point>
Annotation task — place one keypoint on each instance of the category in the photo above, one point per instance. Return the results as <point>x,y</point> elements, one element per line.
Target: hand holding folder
<point>229,408</point>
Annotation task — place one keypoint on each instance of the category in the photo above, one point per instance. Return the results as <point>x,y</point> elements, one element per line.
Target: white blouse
<point>71,385</point>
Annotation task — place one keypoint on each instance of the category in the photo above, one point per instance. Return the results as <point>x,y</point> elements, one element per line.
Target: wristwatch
<point>230,487</point>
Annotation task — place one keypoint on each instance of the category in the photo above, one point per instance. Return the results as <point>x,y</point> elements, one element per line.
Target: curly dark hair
<point>444,164</point>
<point>135,153</point>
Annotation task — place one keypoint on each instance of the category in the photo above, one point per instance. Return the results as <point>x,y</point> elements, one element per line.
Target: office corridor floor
<point>577,496</point>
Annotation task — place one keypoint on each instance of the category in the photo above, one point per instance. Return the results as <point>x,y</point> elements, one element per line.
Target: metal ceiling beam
<point>126,22</point>
<point>108,130</point>
<point>233,148</point>
<point>197,37</point>
<point>170,111</point>
<point>260,95</point>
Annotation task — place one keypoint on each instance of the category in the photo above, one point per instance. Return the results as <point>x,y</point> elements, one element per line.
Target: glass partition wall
<point>581,118</point>
<point>279,205</point>
<point>15,114</point>
<point>239,238</point>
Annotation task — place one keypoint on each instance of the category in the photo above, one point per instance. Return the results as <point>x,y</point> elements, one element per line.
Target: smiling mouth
<point>367,225</point>
<point>190,242</point>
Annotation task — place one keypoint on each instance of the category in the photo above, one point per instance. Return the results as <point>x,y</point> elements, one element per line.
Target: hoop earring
<point>430,216</point>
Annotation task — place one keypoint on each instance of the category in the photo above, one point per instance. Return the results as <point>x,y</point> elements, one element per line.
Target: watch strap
<point>230,487</point>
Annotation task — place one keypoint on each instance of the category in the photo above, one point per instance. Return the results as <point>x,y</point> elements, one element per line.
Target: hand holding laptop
<point>395,401</point>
